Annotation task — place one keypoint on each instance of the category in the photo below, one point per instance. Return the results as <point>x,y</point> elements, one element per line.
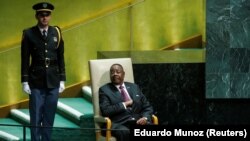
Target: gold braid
<point>59,36</point>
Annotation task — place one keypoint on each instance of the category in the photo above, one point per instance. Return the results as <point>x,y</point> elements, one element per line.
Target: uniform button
<point>46,50</point>
<point>45,44</point>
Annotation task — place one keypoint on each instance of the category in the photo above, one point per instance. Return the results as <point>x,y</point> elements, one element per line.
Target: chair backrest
<point>99,75</point>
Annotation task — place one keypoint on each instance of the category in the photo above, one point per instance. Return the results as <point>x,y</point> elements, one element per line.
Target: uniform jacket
<point>110,101</point>
<point>42,60</point>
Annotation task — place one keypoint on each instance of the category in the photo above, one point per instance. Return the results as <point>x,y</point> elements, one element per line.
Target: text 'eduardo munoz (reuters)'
<point>164,132</point>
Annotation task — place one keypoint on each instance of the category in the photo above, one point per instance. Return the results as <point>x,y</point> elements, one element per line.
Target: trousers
<point>42,108</point>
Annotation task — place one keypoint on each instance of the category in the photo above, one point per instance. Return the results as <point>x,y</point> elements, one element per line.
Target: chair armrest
<point>106,120</point>
<point>155,119</point>
<point>108,130</point>
<point>100,119</point>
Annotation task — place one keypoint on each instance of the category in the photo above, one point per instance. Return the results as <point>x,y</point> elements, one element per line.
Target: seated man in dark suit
<point>124,103</point>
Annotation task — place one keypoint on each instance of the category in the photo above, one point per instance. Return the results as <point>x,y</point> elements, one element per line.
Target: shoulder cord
<point>59,36</point>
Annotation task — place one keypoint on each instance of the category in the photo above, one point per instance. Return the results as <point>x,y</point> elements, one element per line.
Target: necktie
<point>124,94</point>
<point>44,34</point>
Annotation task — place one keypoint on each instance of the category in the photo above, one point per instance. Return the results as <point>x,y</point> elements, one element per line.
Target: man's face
<point>43,18</point>
<point>116,74</point>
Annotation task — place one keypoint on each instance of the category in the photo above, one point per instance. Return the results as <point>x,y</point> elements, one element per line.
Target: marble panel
<point>176,91</point>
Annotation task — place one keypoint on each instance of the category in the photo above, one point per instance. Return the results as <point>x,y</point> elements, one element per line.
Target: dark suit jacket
<point>34,51</point>
<point>111,106</point>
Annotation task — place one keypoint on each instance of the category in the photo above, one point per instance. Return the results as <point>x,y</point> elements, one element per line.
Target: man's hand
<point>142,121</point>
<point>26,88</point>
<point>128,103</point>
<point>61,87</point>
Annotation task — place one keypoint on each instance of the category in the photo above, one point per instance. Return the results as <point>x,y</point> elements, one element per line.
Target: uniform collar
<point>42,29</point>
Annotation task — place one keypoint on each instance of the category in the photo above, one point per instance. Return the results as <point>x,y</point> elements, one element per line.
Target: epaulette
<point>24,31</point>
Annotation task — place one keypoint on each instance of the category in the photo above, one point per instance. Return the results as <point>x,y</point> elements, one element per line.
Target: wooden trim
<point>191,42</point>
<point>5,110</point>
<point>74,90</point>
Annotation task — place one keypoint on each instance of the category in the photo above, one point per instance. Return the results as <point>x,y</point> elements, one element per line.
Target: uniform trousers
<point>42,108</point>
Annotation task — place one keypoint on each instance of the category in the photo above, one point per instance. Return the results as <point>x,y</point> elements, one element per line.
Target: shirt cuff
<point>124,105</point>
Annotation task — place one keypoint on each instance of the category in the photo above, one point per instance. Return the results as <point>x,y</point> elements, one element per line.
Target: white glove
<point>61,87</point>
<point>26,87</point>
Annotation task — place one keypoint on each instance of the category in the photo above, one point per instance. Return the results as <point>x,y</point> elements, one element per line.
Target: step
<point>69,112</point>
<point>11,130</point>
<point>22,115</point>
<point>63,129</point>
<point>87,93</point>
<point>80,104</point>
<point>85,120</point>
<point>75,109</point>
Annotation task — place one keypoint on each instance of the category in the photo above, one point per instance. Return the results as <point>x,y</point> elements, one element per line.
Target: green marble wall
<point>90,26</point>
<point>227,56</point>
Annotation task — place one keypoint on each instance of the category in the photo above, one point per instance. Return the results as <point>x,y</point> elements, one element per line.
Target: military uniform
<point>45,68</point>
<point>42,71</point>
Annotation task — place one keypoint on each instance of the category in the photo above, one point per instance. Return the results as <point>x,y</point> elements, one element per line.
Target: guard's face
<point>116,74</point>
<point>43,18</point>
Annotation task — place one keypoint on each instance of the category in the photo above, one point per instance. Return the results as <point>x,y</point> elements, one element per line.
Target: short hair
<point>117,65</point>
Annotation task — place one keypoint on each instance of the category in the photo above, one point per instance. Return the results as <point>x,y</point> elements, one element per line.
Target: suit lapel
<point>116,93</point>
<point>130,91</point>
<point>50,33</point>
<point>37,32</point>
